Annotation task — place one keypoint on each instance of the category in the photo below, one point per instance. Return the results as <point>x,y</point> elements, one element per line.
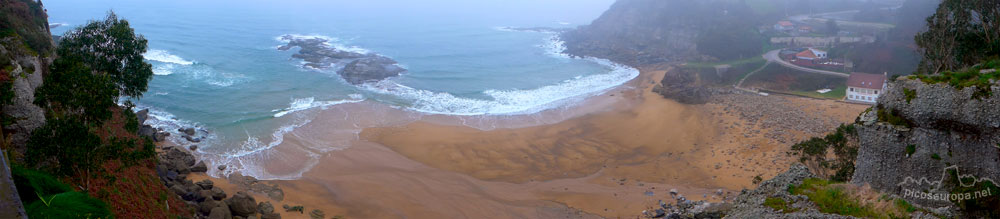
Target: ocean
<point>217,68</point>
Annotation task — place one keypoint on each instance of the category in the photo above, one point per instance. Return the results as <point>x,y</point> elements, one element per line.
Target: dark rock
<point>681,85</point>
<point>218,193</point>
<point>160,136</point>
<point>220,213</point>
<point>193,147</point>
<point>370,69</point>
<point>172,175</point>
<point>192,139</point>
<point>186,131</point>
<point>317,214</point>
<point>222,167</point>
<point>271,190</point>
<point>359,67</point>
<point>265,207</point>
<point>200,167</point>
<point>270,216</point>
<point>206,206</point>
<point>242,204</point>
<point>142,115</point>
<point>180,166</point>
<point>178,189</point>
<point>147,131</point>
<point>205,184</point>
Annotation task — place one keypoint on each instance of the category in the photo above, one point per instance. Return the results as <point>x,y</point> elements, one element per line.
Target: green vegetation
<point>843,143</point>
<point>26,19</point>
<point>910,149</point>
<point>836,94</point>
<point>45,197</point>
<point>120,60</point>
<point>893,117</point>
<point>779,204</point>
<point>910,94</point>
<point>841,199</point>
<point>970,77</point>
<point>960,34</point>
<point>982,199</point>
<point>935,156</point>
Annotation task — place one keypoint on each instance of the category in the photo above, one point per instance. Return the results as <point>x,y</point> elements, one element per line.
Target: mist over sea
<point>217,66</point>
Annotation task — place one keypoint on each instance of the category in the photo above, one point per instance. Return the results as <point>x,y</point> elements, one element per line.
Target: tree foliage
<point>111,47</point>
<point>72,88</point>
<point>844,145</point>
<point>27,20</point>
<point>960,34</point>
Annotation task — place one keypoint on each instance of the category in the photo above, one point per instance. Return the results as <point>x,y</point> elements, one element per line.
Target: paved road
<point>772,56</point>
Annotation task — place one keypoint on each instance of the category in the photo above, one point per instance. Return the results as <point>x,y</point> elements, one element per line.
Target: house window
<point>876,92</point>
<point>852,89</point>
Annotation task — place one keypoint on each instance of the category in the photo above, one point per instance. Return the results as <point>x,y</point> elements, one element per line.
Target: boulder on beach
<point>242,204</point>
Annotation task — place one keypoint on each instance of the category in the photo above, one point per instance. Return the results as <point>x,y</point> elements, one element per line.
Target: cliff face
<point>25,42</point>
<point>940,131</point>
<point>638,32</point>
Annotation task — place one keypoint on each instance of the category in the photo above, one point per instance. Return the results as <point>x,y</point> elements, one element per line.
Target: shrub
<point>910,149</point>
<point>935,156</point>
<point>842,142</point>
<point>779,204</point>
<point>910,94</point>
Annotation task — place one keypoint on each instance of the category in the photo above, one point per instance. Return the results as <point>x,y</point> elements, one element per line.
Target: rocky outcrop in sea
<point>356,67</point>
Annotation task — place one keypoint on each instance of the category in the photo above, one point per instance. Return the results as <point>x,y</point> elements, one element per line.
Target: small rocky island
<point>355,67</point>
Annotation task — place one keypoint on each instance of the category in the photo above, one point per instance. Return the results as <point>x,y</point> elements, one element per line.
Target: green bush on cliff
<point>842,142</point>
<point>26,19</point>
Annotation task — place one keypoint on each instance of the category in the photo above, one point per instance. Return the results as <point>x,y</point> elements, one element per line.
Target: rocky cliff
<point>636,32</point>
<point>922,136</point>
<point>25,42</point>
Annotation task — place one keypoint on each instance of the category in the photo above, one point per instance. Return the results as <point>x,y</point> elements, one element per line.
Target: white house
<point>811,54</point>
<point>865,88</point>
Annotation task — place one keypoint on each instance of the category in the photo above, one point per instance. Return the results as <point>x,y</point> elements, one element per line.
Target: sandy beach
<point>615,161</point>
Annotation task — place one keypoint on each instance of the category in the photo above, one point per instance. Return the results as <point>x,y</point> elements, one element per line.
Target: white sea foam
<point>514,102</point>
<point>164,69</point>
<point>165,57</point>
<point>563,23</point>
<point>309,103</point>
<point>510,102</point>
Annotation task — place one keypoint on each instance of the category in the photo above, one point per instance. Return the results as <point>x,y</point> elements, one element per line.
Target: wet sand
<point>613,162</point>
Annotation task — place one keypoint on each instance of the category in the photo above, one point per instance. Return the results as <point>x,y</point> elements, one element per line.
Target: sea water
<point>216,65</point>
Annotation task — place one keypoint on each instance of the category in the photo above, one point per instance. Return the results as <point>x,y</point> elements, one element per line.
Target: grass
<point>910,94</point>
<point>970,77</point>
<point>738,69</point>
<point>935,156</point>
<point>847,200</point>
<point>835,94</point>
<point>779,204</point>
<point>910,149</point>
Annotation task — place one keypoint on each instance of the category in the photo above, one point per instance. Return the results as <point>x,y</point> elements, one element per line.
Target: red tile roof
<point>806,54</point>
<point>785,23</point>
<point>864,80</point>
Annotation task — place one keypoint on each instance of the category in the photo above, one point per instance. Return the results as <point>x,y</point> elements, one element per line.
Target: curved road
<point>772,56</point>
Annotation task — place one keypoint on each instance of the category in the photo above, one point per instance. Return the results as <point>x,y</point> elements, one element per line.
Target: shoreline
<point>403,169</point>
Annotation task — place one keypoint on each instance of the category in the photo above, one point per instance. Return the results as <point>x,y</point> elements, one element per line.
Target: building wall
<point>863,94</point>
